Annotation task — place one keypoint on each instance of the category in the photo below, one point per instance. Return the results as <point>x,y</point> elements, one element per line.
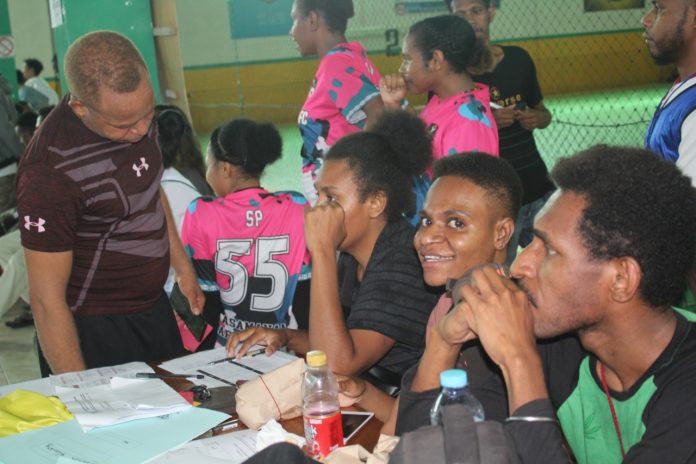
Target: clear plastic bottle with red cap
<point>320,407</point>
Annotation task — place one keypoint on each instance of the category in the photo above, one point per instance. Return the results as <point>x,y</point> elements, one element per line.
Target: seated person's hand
<point>454,328</point>
<point>500,313</point>
<point>324,226</point>
<point>271,339</point>
<point>350,390</point>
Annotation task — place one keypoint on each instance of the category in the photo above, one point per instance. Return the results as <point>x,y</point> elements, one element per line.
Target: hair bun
<point>406,135</point>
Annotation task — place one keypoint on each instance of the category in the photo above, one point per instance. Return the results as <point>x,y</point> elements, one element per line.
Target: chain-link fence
<point>596,75</point>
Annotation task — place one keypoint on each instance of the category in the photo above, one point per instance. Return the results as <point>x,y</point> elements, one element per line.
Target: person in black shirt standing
<point>510,73</point>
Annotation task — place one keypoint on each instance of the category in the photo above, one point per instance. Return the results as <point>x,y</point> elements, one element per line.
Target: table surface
<point>367,436</point>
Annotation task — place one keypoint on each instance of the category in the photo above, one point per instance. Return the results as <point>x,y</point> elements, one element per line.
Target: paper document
<point>135,441</point>
<point>92,377</point>
<point>99,375</point>
<point>230,448</point>
<point>120,401</point>
<point>227,373</point>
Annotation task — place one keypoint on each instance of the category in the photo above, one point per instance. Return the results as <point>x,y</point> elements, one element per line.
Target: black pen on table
<point>152,375</point>
<point>249,354</point>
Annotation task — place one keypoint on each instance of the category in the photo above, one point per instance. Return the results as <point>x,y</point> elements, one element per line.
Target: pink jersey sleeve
<point>345,82</point>
<point>193,232</point>
<point>349,80</point>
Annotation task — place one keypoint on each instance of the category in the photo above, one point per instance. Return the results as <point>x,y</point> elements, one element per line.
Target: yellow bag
<point>24,410</point>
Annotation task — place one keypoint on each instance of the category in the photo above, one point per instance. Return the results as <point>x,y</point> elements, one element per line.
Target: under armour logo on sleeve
<point>39,224</point>
<point>143,165</point>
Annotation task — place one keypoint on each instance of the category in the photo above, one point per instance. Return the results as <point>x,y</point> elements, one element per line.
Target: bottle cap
<point>454,378</point>
<point>316,358</point>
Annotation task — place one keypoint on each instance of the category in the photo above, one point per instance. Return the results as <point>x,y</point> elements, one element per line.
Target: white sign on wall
<point>7,48</point>
<point>56,12</point>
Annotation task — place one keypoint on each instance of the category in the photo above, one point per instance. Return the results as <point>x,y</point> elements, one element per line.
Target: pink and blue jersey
<point>345,82</point>
<point>249,248</point>
<point>463,122</point>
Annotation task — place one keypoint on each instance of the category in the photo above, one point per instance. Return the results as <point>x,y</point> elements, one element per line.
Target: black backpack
<point>459,440</point>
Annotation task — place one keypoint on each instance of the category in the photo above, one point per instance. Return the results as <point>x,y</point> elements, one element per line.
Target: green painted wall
<point>71,19</point>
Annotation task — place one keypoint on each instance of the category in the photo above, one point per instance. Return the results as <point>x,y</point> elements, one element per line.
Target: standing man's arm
<point>185,275</point>
<point>48,275</point>
<point>543,115</point>
<point>536,115</point>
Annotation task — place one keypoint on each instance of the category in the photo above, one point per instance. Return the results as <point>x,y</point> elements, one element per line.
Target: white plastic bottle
<point>320,408</point>
<point>455,390</point>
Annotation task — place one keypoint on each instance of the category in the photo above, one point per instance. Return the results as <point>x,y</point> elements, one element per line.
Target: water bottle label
<point>323,434</point>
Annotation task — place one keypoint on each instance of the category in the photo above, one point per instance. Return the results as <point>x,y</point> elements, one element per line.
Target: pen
<point>249,354</point>
<point>233,424</point>
<point>150,375</point>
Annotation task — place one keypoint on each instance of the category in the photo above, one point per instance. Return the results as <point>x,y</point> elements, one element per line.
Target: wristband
<point>531,419</point>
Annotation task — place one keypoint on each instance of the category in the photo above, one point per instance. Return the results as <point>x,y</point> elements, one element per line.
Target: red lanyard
<point>611,408</point>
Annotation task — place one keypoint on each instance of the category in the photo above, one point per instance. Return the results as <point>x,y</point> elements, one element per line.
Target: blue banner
<point>259,18</point>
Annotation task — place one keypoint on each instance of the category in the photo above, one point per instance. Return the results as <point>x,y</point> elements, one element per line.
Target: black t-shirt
<point>392,298</point>
<point>514,82</point>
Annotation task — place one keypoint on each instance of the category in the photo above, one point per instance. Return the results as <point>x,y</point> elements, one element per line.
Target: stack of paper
<point>122,400</point>
<point>89,378</point>
<point>103,396</point>
<point>226,373</point>
<point>108,395</point>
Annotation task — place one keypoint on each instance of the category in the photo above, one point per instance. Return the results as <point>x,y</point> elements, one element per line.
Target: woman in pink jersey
<point>437,52</point>
<point>344,95</point>
<point>247,244</point>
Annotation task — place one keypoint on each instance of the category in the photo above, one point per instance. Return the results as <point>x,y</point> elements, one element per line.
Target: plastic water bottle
<point>320,408</point>
<point>455,390</point>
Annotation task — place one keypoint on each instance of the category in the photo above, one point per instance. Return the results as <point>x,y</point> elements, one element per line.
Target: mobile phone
<point>353,421</point>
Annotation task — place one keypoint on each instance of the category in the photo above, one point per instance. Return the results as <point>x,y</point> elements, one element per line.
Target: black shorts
<point>148,336</point>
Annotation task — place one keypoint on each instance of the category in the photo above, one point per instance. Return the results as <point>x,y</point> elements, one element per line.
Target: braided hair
<point>450,34</point>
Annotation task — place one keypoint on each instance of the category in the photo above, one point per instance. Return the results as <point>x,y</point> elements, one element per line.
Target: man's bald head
<point>103,59</point>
